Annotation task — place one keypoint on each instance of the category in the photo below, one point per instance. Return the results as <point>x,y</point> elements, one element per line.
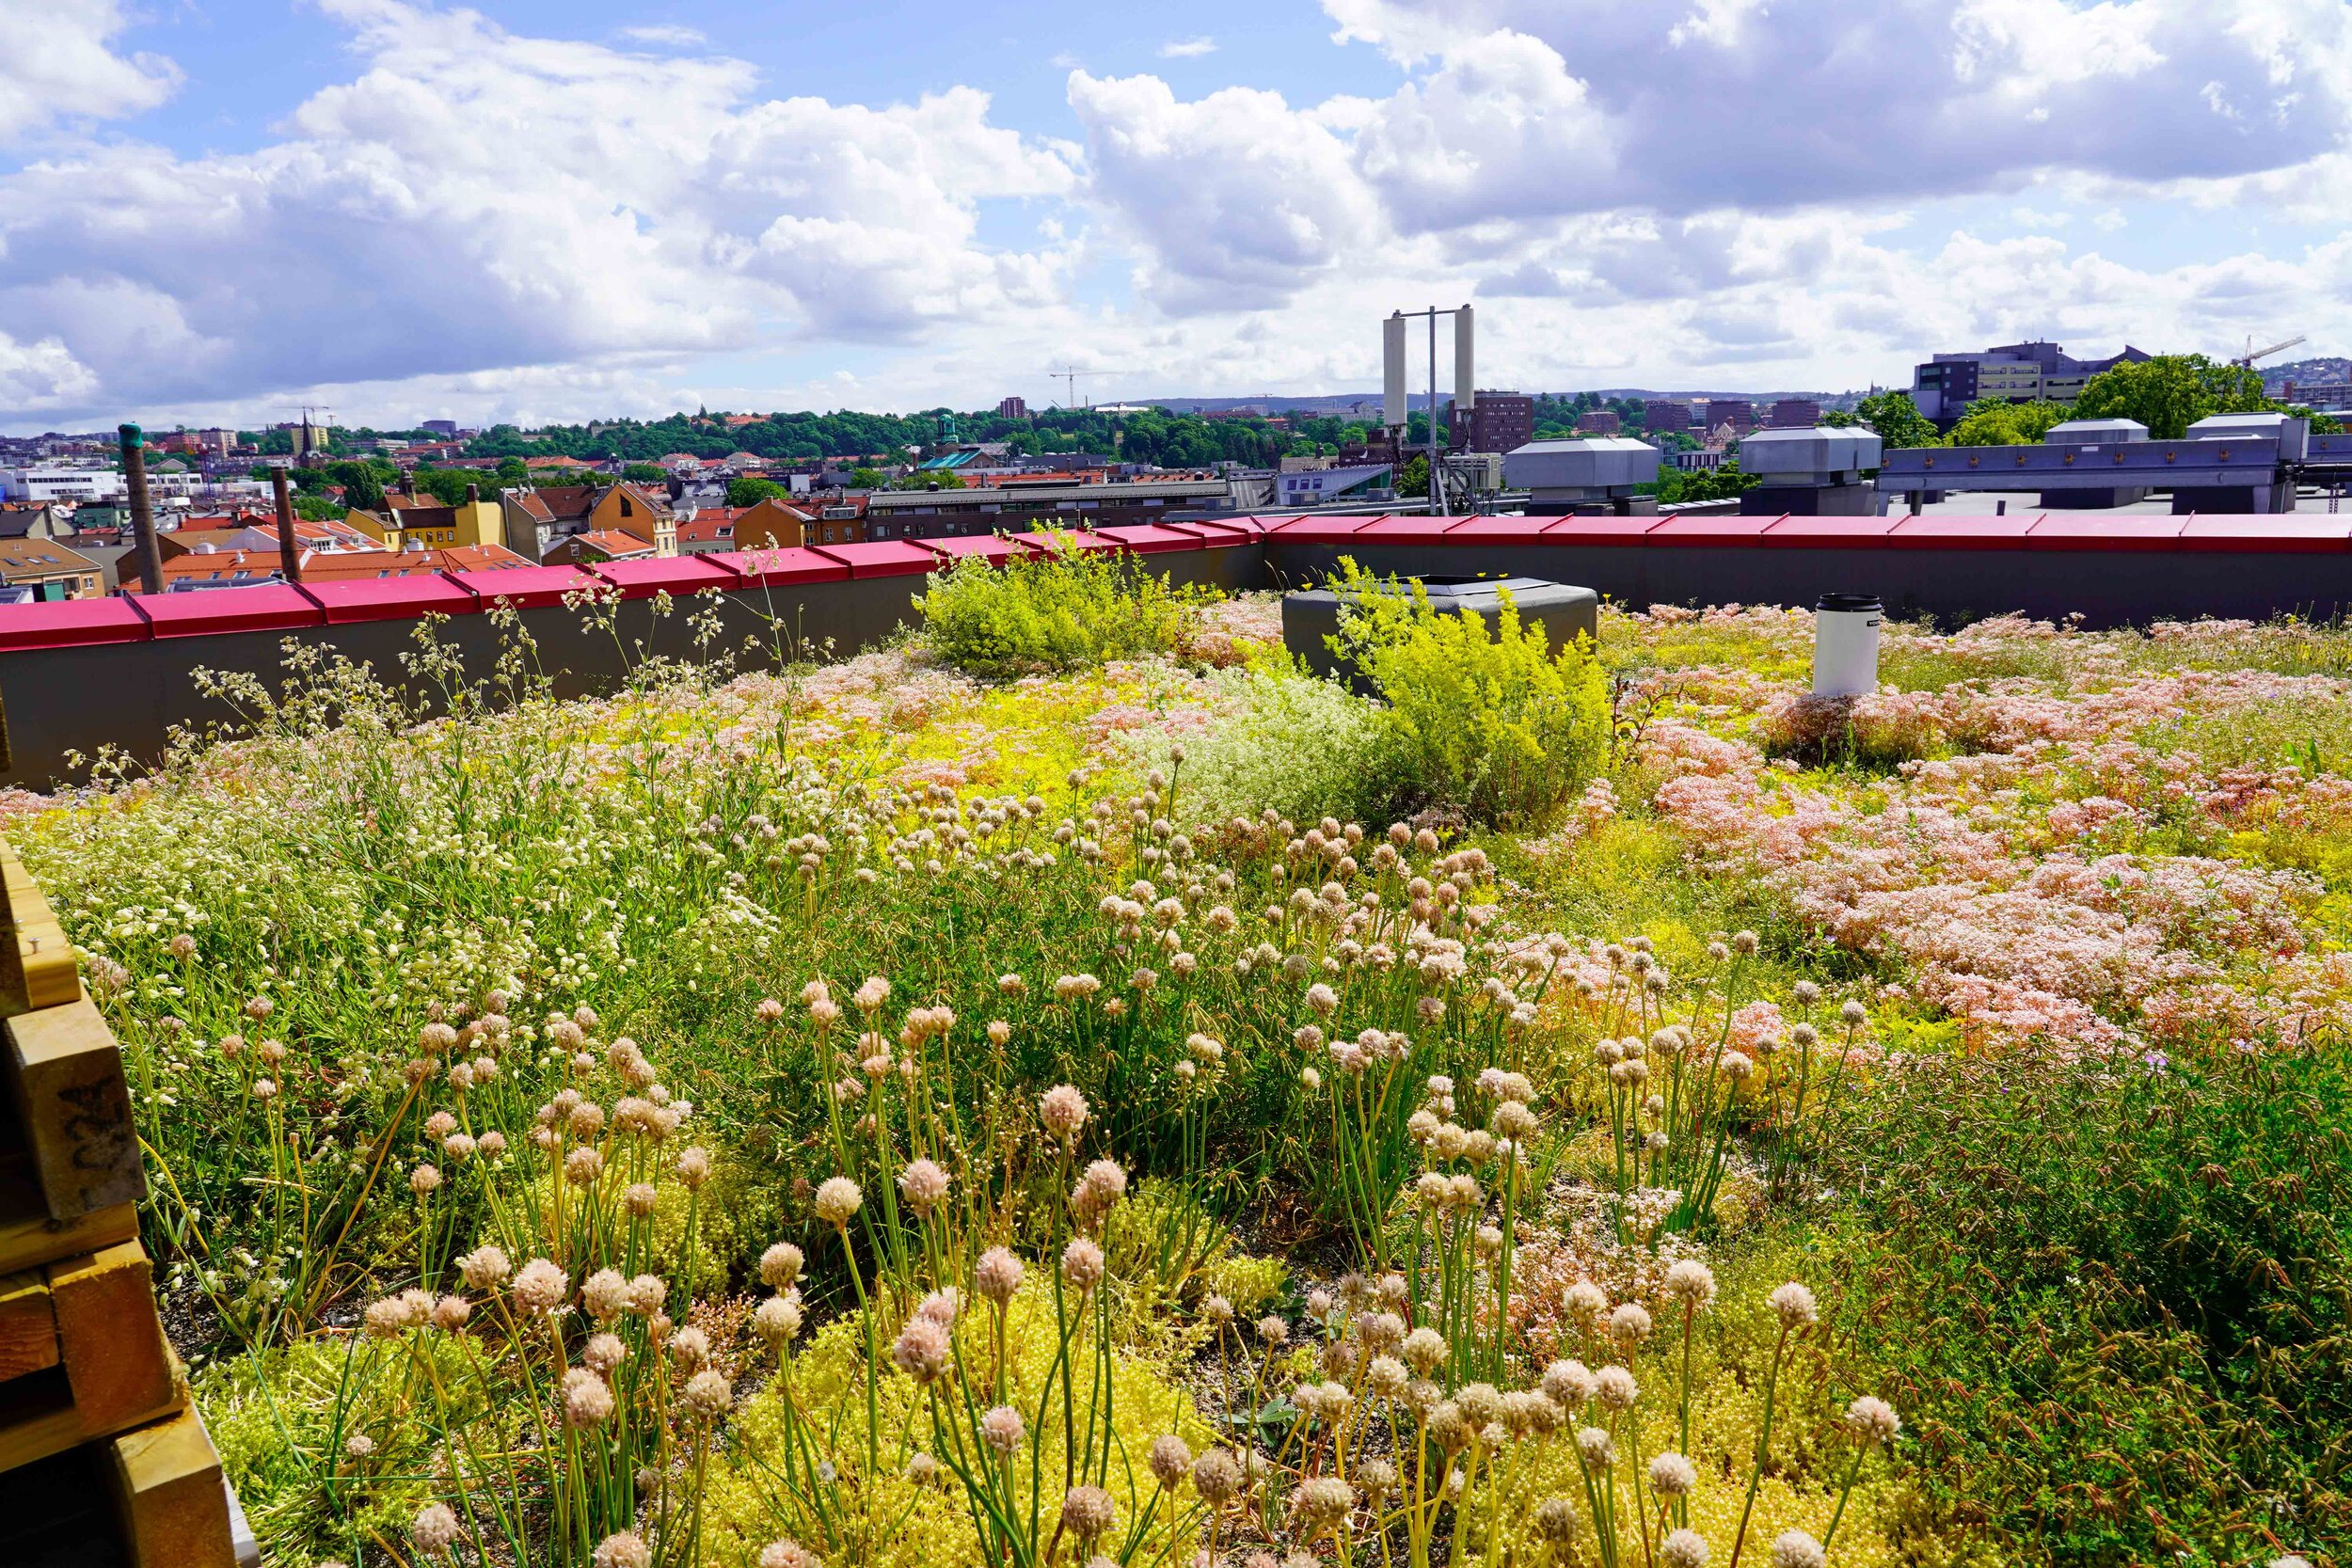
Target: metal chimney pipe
<point>1392,409</point>
<point>142,513</point>
<point>289,553</point>
<point>1465,366</point>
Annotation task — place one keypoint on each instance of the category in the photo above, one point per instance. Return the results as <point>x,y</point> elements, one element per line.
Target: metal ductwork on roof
<point>1810,473</point>
<point>1596,475</point>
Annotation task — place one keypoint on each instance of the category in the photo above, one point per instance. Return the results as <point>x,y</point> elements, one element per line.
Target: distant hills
<point>2306,372</point>
<point>1341,402</point>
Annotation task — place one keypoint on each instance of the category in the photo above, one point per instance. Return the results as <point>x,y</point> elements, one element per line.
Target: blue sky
<point>401,209</point>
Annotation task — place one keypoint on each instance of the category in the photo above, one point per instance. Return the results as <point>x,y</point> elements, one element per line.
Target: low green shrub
<point>2114,1299</point>
<point>1069,611</point>
<point>1488,723</point>
<point>1307,747</point>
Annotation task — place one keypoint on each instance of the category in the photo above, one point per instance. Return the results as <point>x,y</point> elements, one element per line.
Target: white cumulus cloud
<point>63,63</point>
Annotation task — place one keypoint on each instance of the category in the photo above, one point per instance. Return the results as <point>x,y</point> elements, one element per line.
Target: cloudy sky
<point>543,209</point>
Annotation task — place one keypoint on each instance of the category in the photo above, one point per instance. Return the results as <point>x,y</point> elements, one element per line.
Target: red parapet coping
<point>883,558</point>
<point>2006,533</point>
<point>679,575</point>
<point>2092,531</point>
<point>1220,533</point>
<point>408,597</point>
<point>1497,531</point>
<point>778,568</point>
<point>1606,530</point>
<point>2267,533</point>
<point>1830,533</point>
<point>994,548</point>
<point>1403,530</point>
<point>1723,528</point>
<point>1322,531</point>
<point>255,607</point>
<point>525,587</point>
<point>71,623</point>
<point>1150,538</point>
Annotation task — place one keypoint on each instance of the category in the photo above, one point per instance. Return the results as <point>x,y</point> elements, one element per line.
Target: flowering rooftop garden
<point>1070,1088</point>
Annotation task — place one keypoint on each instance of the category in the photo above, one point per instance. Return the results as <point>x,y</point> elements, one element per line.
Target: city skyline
<point>533,213</point>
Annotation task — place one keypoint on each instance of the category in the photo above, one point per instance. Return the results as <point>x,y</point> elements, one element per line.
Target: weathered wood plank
<point>167,1484</point>
<point>65,1081</point>
<point>28,1324</point>
<point>115,1358</point>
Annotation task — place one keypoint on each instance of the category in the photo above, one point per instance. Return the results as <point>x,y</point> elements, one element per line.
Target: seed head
<point>780,1266</point>
<point>1871,1420</point>
<point>693,1168</point>
<point>435,1530</point>
<point>1082,1263</point>
<point>1086,1511</point>
<point>1671,1475</point>
<point>1684,1548</point>
<point>1692,1283</point>
<point>1795,1305</point>
<point>1424,1349</point>
<point>1171,1460</point>
<point>690,1348</point>
<point>1063,1110</point>
<point>1321,1503</point>
<point>1615,1388</point>
<point>998,1274</point>
<point>1630,1325</point>
<point>1555,1520</point>
<point>1570,1383</point>
<point>540,1287</point>
<point>922,1351</point>
<point>787,1554</point>
<point>923,1184</point>
<point>605,1294</point>
<point>450,1312</point>
<point>1795,1549</point>
<point>1479,1403</point>
<point>1216,1475</point>
<point>837,1200</point>
<point>623,1549</point>
<point>485,1268</point>
<point>602,1353</point>
<point>778,1320</point>
<point>708,1394</point>
<point>1599,1452</point>
<point>1002,1429</point>
<point>1272,1330</point>
<point>587,1398</point>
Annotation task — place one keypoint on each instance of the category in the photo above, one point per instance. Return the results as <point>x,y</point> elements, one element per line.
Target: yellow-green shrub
<point>1070,611</point>
<point>1495,725</point>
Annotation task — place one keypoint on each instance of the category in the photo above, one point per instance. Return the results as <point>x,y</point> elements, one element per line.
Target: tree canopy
<point>1892,417</point>
<point>2171,392</point>
<point>751,492</point>
<point>1994,422</point>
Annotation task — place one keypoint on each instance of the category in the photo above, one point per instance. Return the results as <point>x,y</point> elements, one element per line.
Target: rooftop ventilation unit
<point>2085,438</point>
<point>1810,473</point>
<point>1582,478</point>
<point>2292,433</point>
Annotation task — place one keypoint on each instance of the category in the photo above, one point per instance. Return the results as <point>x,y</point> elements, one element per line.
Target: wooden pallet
<point>89,1385</point>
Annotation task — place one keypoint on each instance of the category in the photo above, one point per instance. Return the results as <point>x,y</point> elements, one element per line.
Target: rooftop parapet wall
<point>80,675</point>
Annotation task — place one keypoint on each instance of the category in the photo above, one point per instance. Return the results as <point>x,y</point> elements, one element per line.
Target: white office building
<point>41,486</point>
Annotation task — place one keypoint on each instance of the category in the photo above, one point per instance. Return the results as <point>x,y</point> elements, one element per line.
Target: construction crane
<point>2253,354</point>
<point>1068,375</point>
